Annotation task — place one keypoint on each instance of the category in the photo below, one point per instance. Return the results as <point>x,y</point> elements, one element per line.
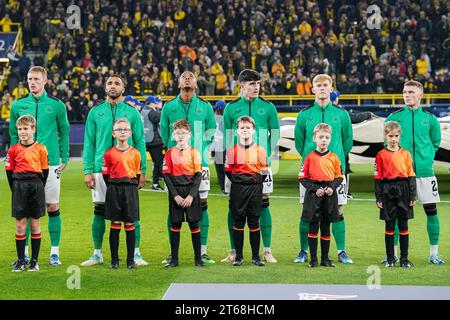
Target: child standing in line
<point>321,175</point>
<point>27,172</point>
<point>121,172</point>
<point>182,171</point>
<point>395,191</point>
<point>246,166</point>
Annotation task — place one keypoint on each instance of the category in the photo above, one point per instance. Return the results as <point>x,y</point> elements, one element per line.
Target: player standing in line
<point>97,140</point>
<point>52,130</point>
<point>267,134</point>
<point>27,172</point>
<point>421,136</point>
<point>188,106</point>
<point>323,111</point>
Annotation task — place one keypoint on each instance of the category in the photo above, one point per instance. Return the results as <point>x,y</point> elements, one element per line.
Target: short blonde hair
<point>121,120</point>
<point>413,83</point>
<point>26,120</point>
<point>391,126</point>
<point>40,70</point>
<point>322,127</point>
<point>322,77</point>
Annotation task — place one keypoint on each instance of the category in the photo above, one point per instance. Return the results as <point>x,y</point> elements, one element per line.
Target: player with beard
<point>97,140</point>
<point>188,106</point>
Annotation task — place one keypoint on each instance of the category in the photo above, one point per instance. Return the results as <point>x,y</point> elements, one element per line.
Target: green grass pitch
<point>365,244</point>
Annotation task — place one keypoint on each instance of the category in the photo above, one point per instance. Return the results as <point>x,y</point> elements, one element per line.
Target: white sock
<point>434,250</point>
<point>137,251</point>
<point>233,251</point>
<point>26,251</point>
<point>98,252</point>
<point>203,249</point>
<point>267,250</point>
<point>54,250</point>
<point>339,251</point>
<point>395,251</point>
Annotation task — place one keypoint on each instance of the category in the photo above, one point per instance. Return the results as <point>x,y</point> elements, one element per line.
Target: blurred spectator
<point>151,43</point>
<point>151,115</point>
<point>217,148</point>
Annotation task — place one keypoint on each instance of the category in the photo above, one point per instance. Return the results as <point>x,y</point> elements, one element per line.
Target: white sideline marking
<point>281,197</point>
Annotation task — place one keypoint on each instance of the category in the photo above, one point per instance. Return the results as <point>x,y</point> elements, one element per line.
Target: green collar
<point>325,108</point>
<point>40,98</point>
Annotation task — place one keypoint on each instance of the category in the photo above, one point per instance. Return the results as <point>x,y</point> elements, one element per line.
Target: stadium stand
<point>152,42</point>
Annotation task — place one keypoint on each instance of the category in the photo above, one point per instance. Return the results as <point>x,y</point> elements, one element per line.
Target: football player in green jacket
<point>323,111</point>
<point>421,136</point>
<point>52,130</point>
<point>97,140</point>
<point>188,106</point>
<point>267,134</point>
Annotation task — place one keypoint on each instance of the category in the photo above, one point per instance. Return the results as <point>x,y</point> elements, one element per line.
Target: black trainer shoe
<point>313,263</point>
<point>238,262</point>
<point>390,263</point>
<point>171,264</point>
<point>157,187</point>
<point>25,261</point>
<point>258,262</point>
<point>131,264</point>
<point>200,263</point>
<point>405,263</point>
<point>33,266</point>
<point>19,267</point>
<point>114,265</point>
<point>327,263</point>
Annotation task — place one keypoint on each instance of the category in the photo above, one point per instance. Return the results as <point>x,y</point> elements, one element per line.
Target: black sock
<point>131,242</point>
<point>389,241</point>
<point>20,247</point>
<point>196,245</point>
<point>325,247</point>
<point>404,244</point>
<point>35,246</point>
<point>255,240</point>
<point>114,237</point>
<point>174,243</point>
<point>313,246</point>
<point>325,240</point>
<point>238,236</point>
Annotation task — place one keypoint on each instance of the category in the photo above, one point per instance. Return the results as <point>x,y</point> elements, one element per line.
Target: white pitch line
<point>281,197</point>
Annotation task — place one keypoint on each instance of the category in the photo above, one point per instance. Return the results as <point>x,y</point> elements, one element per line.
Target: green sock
<point>396,234</point>
<point>98,230</point>
<point>204,228</point>
<point>230,229</point>
<point>433,228</point>
<point>339,234</point>
<point>27,233</point>
<point>265,222</point>
<point>303,229</point>
<point>54,229</point>
<point>137,233</point>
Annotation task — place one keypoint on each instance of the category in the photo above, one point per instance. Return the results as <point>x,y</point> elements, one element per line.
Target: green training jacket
<point>341,126</point>
<point>265,115</point>
<point>52,126</point>
<point>421,136</point>
<point>98,134</point>
<point>199,113</point>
